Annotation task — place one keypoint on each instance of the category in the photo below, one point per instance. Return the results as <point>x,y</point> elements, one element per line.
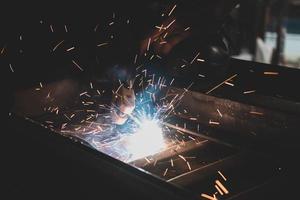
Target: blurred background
<point>269,31</point>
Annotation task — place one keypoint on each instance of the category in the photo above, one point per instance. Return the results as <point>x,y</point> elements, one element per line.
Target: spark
<point>170,24</point>
<point>250,91</point>
<point>69,49</point>
<point>2,50</point>
<point>192,138</point>
<point>138,67</point>
<point>56,46</point>
<point>180,156</point>
<point>191,157</point>
<point>213,122</point>
<point>145,71</point>
<point>11,68</point>
<point>96,27</point>
<point>148,161</point>
<point>219,190</point>
<point>119,88</point>
<point>171,81</point>
<point>51,28</point>
<point>41,85</point>
<point>102,44</point>
<point>67,117</point>
<point>230,78</point>
<point>187,28</point>
<point>225,179</point>
<point>76,129</point>
<point>219,113</point>
<point>230,84</point>
<point>165,35</point>
<point>165,173</point>
<point>148,45</point>
<point>172,10</point>
<point>66,29</point>
<point>189,166</point>
<point>63,126</point>
<point>201,75</point>
<point>222,187</point>
<point>271,73</point>
<point>200,60</point>
<point>172,163</point>
<point>195,58</point>
<point>91,85</point>
<point>83,93</point>
<point>48,95</point>
<point>160,27</point>
<point>77,65</point>
<point>256,113</point>
<point>135,59</point>
<point>208,197</point>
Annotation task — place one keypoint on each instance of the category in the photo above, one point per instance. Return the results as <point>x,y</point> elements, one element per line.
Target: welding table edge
<point>259,191</point>
<point>197,97</point>
<point>98,161</point>
<point>237,66</point>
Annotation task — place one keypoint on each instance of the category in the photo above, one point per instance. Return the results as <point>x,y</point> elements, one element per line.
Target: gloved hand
<point>123,103</point>
<point>123,97</point>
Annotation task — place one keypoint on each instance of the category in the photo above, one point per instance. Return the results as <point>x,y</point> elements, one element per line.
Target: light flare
<point>147,140</point>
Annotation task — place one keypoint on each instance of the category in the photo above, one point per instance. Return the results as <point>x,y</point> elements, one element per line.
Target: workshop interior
<point>158,99</point>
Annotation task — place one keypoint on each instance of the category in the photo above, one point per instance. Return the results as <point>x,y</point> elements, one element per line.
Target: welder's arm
<point>194,25</point>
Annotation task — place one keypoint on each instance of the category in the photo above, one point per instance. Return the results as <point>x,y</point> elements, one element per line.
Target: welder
<point>185,26</point>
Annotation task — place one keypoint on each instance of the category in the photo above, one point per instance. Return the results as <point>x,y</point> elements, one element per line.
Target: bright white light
<point>147,140</point>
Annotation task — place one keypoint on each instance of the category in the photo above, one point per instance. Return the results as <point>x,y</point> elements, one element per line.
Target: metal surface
<point>204,135</point>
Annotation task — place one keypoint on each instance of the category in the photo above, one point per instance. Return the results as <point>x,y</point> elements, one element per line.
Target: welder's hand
<point>164,37</point>
<point>123,103</point>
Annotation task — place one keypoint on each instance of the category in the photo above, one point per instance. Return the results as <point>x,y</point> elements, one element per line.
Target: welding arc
<point>198,134</point>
